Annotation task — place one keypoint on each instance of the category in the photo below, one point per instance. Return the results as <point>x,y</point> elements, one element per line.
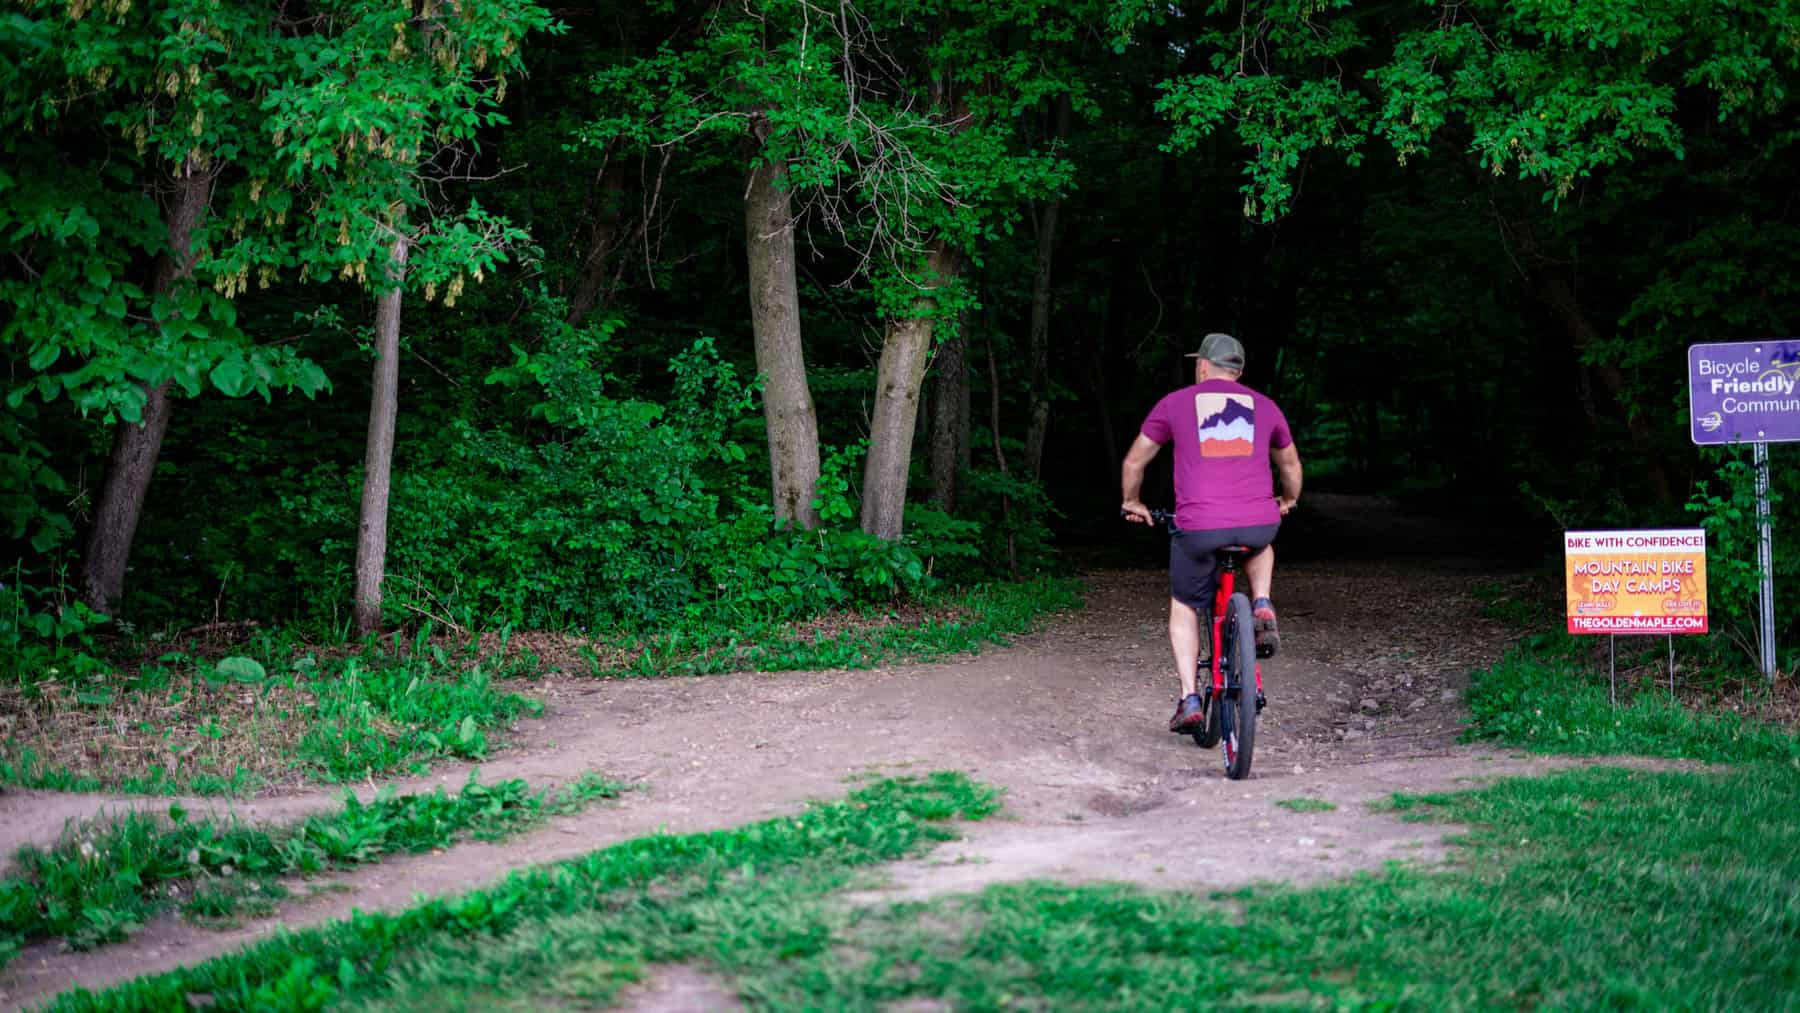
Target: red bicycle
<point>1230,710</point>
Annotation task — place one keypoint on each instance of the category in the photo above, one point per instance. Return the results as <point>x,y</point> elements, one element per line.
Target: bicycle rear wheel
<point>1237,709</point>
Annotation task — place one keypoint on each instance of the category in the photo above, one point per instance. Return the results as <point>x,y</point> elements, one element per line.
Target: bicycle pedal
<point>1261,702</point>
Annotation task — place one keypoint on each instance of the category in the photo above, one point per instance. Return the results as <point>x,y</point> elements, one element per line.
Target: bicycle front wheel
<point>1237,710</point>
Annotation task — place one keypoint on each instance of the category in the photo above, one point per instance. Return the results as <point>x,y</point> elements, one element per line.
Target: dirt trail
<point>1069,721</point>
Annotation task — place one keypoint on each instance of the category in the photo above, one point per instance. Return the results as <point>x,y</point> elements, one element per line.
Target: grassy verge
<point>962,622</point>
<point>104,881</point>
<point>1592,888</point>
<point>277,714</point>
<point>1545,695</point>
<point>721,892</point>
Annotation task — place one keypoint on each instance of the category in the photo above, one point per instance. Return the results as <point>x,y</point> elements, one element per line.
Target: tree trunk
<point>136,446</point>
<point>905,350</point>
<point>775,320</point>
<point>949,417</point>
<point>601,242</point>
<point>378,458</point>
<point>1012,547</point>
<point>965,425</point>
<point>1561,300</point>
<point>1110,453</point>
<point>1038,425</point>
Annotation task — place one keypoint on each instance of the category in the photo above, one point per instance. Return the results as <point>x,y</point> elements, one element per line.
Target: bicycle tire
<point>1207,735</point>
<point>1237,709</point>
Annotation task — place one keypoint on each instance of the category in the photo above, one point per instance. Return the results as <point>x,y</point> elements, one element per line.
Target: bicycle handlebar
<point>1166,516</point>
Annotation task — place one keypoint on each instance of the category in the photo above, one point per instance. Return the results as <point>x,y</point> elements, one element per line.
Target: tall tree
<point>950,415</point>
<point>788,413</point>
<point>181,83</point>
<point>136,445</point>
<point>378,453</point>
<point>1044,220</point>
<point>376,149</point>
<point>905,350</point>
<point>757,83</point>
<point>944,172</point>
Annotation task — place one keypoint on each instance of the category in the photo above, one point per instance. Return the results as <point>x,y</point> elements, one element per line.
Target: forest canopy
<point>340,314</point>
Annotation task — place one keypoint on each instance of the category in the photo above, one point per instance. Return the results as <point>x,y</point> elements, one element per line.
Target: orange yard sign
<point>1636,581</point>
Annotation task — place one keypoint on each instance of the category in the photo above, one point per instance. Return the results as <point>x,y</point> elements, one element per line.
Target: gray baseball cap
<point>1221,350</point>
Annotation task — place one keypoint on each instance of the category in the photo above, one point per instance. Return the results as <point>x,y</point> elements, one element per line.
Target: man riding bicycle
<point>1224,433</point>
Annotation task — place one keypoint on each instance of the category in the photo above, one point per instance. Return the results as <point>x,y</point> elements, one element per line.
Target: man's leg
<point>1184,640</point>
<point>1191,570</point>
<point>1261,570</point>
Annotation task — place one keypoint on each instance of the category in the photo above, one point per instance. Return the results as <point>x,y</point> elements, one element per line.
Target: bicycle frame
<point>1228,573</point>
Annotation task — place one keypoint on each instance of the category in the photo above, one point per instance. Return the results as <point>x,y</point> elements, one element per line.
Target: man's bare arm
<point>1131,477</point>
<point>1287,465</point>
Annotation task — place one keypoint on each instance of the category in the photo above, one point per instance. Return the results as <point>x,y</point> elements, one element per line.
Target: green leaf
<point>188,376</point>
<point>466,734</point>
<point>241,669</point>
<point>232,376</point>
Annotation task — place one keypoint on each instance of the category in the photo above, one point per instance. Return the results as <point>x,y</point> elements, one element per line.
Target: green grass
<point>760,888</point>
<point>1306,805</point>
<point>1592,888</point>
<point>23,767</point>
<point>1546,697</point>
<point>959,623</point>
<point>104,881</point>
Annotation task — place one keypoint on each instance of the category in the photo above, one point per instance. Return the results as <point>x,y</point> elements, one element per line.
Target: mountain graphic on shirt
<point>1227,424</point>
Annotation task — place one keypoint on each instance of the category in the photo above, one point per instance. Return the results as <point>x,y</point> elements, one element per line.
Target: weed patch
<point>183,723</point>
<point>1544,696</point>
<point>1306,805</point>
<point>104,881</point>
<point>580,930</point>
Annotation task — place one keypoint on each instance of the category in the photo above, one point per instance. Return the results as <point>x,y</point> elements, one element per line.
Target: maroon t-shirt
<point>1223,432</point>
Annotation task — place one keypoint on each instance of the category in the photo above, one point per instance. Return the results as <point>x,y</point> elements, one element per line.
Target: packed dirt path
<point>1365,700</point>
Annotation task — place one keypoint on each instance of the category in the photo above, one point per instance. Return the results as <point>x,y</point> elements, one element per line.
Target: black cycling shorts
<point>1193,568</point>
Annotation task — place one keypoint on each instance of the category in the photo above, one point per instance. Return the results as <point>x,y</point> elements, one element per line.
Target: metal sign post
<point>1765,561</point>
<point>1635,583</point>
<point>1612,667</point>
<point>1749,392</point>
